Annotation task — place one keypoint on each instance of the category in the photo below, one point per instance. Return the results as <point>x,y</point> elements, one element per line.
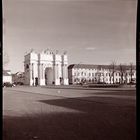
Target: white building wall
<point>78,74</point>
<point>65,69</point>
<point>46,63</point>
<point>34,67</point>
<point>58,70</point>
<point>7,79</point>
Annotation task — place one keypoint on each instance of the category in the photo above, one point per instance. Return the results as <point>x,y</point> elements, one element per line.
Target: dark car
<point>20,83</point>
<point>8,84</point>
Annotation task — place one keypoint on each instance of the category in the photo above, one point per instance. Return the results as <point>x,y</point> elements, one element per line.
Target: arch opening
<point>49,76</point>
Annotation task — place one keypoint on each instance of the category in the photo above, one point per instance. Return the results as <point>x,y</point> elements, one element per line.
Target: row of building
<point>17,78</point>
<point>47,68</point>
<point>83,73</point>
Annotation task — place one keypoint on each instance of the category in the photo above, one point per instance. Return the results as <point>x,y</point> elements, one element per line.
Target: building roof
<point>87,66</point>
<point>90,66</point>
<point>6,73</point>
<point>19,73</point>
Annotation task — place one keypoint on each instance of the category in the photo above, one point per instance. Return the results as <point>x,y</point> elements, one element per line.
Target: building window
<point>27,66</point>
<point>128,80</point>
<point>119,80</point>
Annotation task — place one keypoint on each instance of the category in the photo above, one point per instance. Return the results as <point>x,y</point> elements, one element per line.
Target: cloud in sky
<point>107,26</point>
<point>90,48</point>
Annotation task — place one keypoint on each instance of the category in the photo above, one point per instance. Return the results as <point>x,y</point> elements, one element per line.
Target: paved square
<point>68,114</point>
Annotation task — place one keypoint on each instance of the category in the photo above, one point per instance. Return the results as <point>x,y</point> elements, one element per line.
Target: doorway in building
<point>36,81</point>
<point>48,76</point>
<point>61,81</point>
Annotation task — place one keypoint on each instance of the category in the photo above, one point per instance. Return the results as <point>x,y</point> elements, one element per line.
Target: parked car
<point>20,83</point>
<point>8,84</point>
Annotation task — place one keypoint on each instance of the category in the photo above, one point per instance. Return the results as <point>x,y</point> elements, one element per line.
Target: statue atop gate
<point>46,68</point>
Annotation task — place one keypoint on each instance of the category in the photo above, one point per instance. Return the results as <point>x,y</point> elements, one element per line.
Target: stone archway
<point>49,76</point>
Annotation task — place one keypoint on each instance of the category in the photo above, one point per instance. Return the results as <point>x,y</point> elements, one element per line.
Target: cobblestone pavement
<point>59,114</point>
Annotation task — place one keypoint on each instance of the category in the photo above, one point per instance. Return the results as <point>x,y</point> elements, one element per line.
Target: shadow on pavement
<point>100,121</point>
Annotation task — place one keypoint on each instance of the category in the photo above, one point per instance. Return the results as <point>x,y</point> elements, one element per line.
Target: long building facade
<point>46,68</point>
<point>83,73</point>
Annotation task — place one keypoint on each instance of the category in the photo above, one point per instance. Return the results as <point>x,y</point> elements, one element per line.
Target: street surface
<point>68,114</point>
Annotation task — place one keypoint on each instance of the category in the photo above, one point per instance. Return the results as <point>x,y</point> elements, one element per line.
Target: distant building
<point>7,76</point>
<point>18,78</point>
<point>46,68</point>
<point>83,73</point>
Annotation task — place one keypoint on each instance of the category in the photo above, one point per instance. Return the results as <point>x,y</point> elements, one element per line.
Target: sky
<point>91,31</point>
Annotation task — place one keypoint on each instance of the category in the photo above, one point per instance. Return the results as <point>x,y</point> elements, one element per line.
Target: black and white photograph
<point>69,69</point>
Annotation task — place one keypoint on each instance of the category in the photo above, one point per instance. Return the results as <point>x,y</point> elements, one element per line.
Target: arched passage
<point>48,76</point>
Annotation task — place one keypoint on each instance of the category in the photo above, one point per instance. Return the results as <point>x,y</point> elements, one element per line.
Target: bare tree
<point>98,74</point>
<point>122,71</point>
<point>65,52</point>
<point>131,72</point>
<point>112,70</point>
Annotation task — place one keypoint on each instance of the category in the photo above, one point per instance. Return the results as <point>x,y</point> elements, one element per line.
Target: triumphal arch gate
<point>46,68</point>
